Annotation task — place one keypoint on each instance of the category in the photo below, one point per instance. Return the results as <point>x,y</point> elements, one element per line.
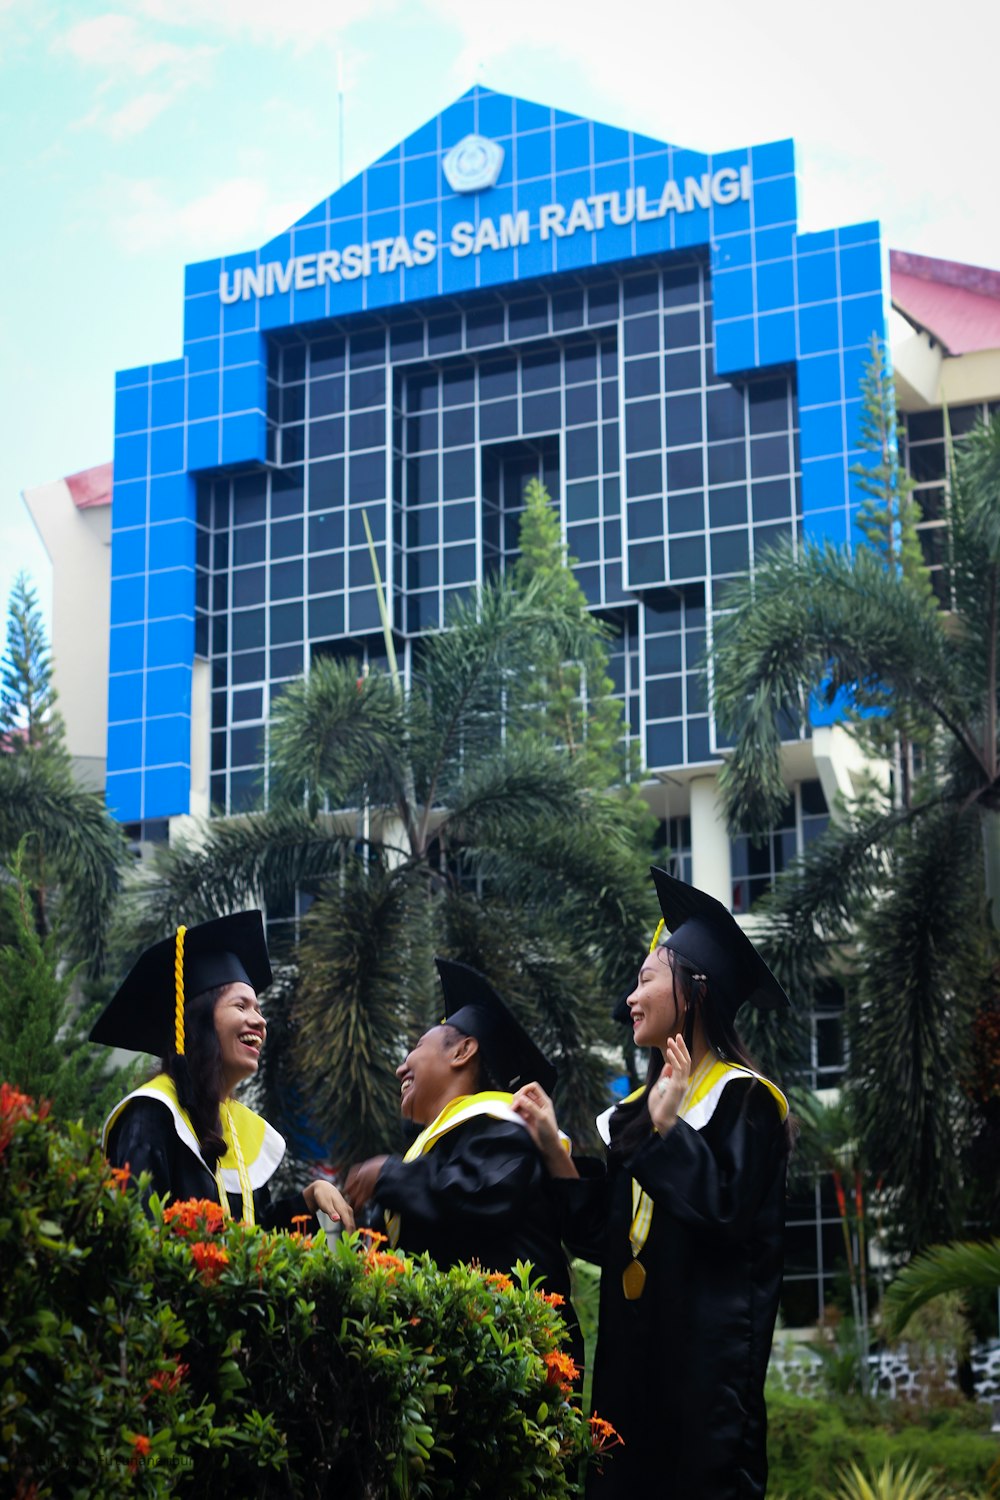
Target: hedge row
<point>165,1358</point>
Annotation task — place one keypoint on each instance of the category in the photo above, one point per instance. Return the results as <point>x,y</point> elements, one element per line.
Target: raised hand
<point>664,1098</point>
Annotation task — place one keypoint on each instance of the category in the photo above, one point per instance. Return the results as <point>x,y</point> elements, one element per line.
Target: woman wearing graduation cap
<point>192,1001</point>
<point>472,1186</point>
<point>688,1221</point>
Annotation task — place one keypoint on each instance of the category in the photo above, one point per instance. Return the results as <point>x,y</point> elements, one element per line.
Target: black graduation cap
<point>706,933</point>
<point>473,1006</point>
<point>141,1015</point>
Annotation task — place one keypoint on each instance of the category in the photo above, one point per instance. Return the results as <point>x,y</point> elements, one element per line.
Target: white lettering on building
<point>555,221</point>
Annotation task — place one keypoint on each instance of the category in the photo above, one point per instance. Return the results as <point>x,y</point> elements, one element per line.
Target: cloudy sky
<point>146,134</point>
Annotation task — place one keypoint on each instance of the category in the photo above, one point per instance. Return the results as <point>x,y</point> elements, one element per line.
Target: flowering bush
<point>166,1357</point>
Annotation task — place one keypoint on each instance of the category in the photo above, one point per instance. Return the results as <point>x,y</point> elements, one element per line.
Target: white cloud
<point>118,46</point>
<point>238,212</point>
<point>299,24</point>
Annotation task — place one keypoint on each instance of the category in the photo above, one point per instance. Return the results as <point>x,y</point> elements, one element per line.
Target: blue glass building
<point>510,291</point>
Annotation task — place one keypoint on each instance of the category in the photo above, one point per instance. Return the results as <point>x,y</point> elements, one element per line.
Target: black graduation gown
<point>679,1372</point>
<point>481,1193</point>
<point>145,1138</point>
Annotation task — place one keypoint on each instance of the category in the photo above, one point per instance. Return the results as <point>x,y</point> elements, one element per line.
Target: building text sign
<point>555,221</point>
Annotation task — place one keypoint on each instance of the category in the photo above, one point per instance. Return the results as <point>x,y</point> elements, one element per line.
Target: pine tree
<point>29,720</point>
<point>888,520</point>
<point>43,1046</point>
<point>574,699</point>
<point>889,516</point>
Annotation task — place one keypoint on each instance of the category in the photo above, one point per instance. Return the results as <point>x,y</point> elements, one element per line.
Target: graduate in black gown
<point>472,1186</point>
<point>193,1000</point>
<point>687,1220</point>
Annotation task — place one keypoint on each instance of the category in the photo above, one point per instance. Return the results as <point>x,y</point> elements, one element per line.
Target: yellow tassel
<point>179,992</point>
<point>656,934</point>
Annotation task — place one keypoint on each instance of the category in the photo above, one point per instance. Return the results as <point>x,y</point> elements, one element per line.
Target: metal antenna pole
<point>340,118</point>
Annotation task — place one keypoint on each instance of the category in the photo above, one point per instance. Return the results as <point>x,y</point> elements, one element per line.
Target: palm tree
<point>896,895</point>
<point>436,821</point>
<point>958,1267</point>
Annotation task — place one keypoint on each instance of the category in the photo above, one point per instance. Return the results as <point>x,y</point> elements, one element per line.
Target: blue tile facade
<point>641,325</point>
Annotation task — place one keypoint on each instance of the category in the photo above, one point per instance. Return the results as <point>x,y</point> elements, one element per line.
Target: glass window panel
<point>685,513</point>
<point>368,429</point>
<point>772,500</point>
<point>293,445</point>
<point>458,385</point>
<point>326,356</point>
<point>326,573</point>
<point>681,286</point>
<point>642,426</point>
<point>287,492</point>
<point>458,522</point>
<point>326,531</point>
<point>444,334</point>
<point>542,413</point>
<point>422,527</point>
<point>484,326</point>
<point>770,455</point>
<point>367,348</point>
<point>682,329</point>
<point>326,616</point>
<point>684,468</point>
<point>367,388</point>
<point>293,403</point>
<point>527,319</point>
<point>641,294</point>
<point>220,748</point>
<point>682,371</point>
<point>699,745</point>
<point>250,667</point>
<point>644,475</point>
<point>582,500</point>
<point>286,538</point>
<point>367,478</point>
<point>286,580</point>
<point>248,587</point>
<point>285,661</point>
<point>249,544</point>
<point>768,403</point>
<point>725,416</point>
<point>541,371</point>
<point>645,563</point>
<point>663,653</point>
<point>645,518</point>
<point>642,335</point>
<point>497,419</point>
<point>730,551</point>
<point>458,427</point>
<point>727,507</point>
<point>602,303</point>
<point>581,404</point>
<point>584,543</point>
<point>683,414</point>
<point>422,570</point>
<point>580,363</point>
<point>286,622</point>
<point>293,363</point>
<point>458,473</point>
<point>926,424</point>
<point>497,378</point>
<point>248,631</point>
<point>249,497</point>
<point>665,744</point>
<point>459,564</point>
<point>927,461</point>
<point>687,557</point>
<point>581,452</point>
<point>326,484</point>
<point>567,310</point>
<point>726,461</point>
<point>326,437</point>
<point>642,376</point>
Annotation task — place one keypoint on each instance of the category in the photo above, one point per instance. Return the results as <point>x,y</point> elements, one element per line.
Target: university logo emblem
<point>472,165</point>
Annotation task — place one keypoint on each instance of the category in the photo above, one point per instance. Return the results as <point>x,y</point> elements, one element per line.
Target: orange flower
<point>385,1261</point>
<point>119,1177</point>
<point>14,1106</point>
<point>194,1213</point>
<point>211,1260</point>
<point>140,1450</point>
<point>297,1234</point>
<point>603,1436</point>
<point>374,1238</point>
<point>168,1380</point>
<point>499,1280</point>
<point>561,1370</point>
<point>552,1298</point>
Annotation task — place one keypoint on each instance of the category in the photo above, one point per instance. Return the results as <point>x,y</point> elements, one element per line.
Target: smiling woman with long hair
<point>193,999</point>
<point>686,1220</point>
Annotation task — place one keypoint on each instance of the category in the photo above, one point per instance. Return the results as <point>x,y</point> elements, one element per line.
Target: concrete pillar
<point>711,861</point>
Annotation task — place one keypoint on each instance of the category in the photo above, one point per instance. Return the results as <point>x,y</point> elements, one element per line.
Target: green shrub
<point>811,1441</point>
<point>169,1357</point>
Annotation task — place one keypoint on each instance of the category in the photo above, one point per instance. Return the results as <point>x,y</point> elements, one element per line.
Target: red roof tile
<point>90,487</point>
<point>957,305</point>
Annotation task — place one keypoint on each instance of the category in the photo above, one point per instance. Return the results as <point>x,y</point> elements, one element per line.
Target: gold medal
<point>633,1280</point>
